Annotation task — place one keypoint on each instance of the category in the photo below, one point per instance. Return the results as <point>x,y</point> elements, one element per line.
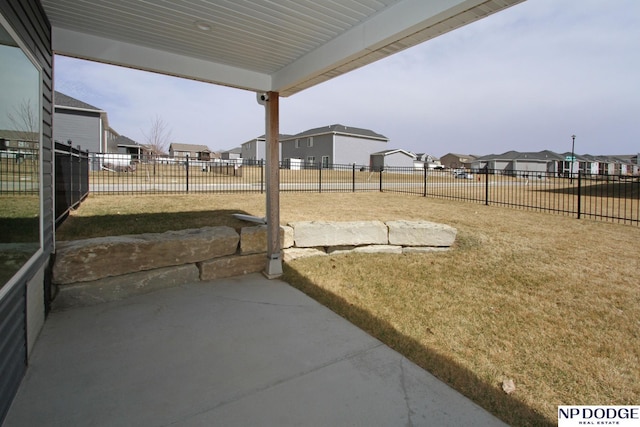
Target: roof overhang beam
<point>94,48</point>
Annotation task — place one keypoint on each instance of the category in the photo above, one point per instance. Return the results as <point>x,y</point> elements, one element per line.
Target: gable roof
<point>124,141</point>
<point>263,138</point>
<point>394,151</point>
<point>540,156</point>
<point>193,148</point>
<point>236,150</point>
<point>62,100</point>
<point>340,130</point>
<point>466,158</point>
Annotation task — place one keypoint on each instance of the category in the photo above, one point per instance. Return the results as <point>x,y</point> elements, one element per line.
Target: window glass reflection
<point>19,157</point>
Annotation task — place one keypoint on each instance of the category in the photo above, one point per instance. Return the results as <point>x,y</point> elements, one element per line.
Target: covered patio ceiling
<point>282,46</point>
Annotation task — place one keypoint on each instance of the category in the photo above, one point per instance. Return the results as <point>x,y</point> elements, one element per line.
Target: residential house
<point>128,146</point>
<point>193,151</point>
<point>234,154</point>
<point>19,142</point>
<point>388,159</point>
<point>609,165</point>
<point>82,124</point>
<point>521,163</point>
<point>457,161</point>
<point>334,144</point>
<point>431,162</point>
<point>255,150</point>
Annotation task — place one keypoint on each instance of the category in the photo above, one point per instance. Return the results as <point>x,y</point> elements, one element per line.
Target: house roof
<point>542,156</point>
<point>62,100</point>
<point>463,157</point>
<point>263,137</point>
<point>194,148</point>
<point>124,141</point>
<point>280,45</point>
<point>18,135</point>
<point>395,151</point>
<point>236,150</point>
<point>339,129</point>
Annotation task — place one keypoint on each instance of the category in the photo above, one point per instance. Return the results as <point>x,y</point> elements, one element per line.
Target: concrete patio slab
<point>238,351</point>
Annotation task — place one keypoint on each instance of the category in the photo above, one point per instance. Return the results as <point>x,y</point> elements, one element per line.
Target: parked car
<point>464,175</point>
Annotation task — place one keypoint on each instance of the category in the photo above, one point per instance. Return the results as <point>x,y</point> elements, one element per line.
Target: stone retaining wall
<point>108,268</point>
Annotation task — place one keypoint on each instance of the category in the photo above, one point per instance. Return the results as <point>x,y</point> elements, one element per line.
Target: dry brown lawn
<point>549,301</point>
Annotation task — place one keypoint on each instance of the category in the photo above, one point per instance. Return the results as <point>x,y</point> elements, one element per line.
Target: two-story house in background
<point>82,124</point>
<point>334,144</point>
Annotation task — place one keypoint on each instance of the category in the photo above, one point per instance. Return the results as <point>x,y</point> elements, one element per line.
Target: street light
<point>573,159</point>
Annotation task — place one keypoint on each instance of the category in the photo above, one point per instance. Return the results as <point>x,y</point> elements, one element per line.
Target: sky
<point>526,79</point>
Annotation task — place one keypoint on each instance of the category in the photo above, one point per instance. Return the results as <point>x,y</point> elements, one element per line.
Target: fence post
<point>261,176</point>
<point>424,169</point>
<point>186,163</point>
<point>579,193</point>
<point>486,186</point>
<point>319,177</point>
<point>70,184</point>
<point>381,169</point>
<point>353,178</point>
<point>78,178</point>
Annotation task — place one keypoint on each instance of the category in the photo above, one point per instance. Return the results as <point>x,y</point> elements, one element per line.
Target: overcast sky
<point>524,79</point>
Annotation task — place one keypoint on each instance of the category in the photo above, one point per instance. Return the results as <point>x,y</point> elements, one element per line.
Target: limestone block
<point>92,259</point>
<point>254,239</point>
<point>308,234</point>
<point>294,253</point>
<point>119,287</point>
<point>230,266</point>
<point>420,233</point>
<point>287,237</point>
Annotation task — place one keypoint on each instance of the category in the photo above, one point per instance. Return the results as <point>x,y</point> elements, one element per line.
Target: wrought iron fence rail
<point>19,171</point>
<point>605,197</point>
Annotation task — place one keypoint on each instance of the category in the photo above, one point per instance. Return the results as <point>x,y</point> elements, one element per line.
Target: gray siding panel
<point>82,128</point>
<point>13,345</point>
<point>28,20</point>
<point>356,150</point>
<point>341,149</point>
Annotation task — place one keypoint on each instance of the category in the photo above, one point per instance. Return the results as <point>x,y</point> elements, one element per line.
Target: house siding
<point>351,149</point>
<point>253,150</point>
<point>18,309</point>
<point>83,128</point>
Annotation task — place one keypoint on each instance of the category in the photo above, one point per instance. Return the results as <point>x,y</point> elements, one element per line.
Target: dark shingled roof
<point>126,141</point>
<point>341,129</point>
<point>544,155</point>
<point>62,100</point>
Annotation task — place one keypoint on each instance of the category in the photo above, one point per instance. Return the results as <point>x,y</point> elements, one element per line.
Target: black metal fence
<point>72,178</point>
<point>19,171</point>
<point>605,197</point>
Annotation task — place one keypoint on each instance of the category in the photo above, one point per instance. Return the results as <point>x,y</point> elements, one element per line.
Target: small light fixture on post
<point>573,158</point>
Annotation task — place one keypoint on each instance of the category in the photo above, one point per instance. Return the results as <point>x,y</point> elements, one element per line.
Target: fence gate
<point>13,345</point>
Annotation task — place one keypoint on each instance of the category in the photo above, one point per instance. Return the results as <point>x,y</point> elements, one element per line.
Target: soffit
<point>262,45</point>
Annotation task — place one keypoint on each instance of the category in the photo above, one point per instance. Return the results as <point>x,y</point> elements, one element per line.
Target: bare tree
<point>25,119</point>
<point>158,137</point>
